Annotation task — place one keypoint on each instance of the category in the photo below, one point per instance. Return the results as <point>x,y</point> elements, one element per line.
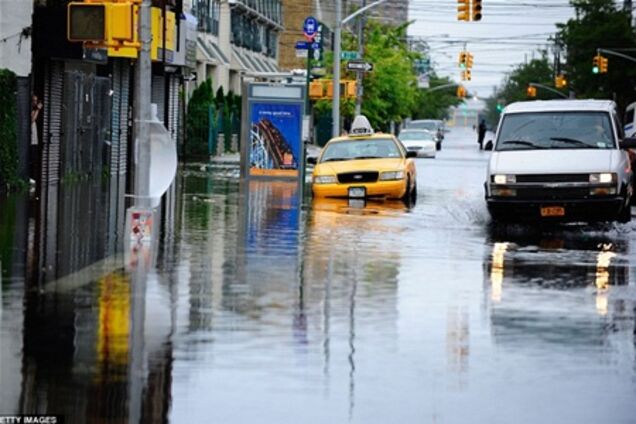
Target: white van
<point>560,160</point>
<point>629,124</point>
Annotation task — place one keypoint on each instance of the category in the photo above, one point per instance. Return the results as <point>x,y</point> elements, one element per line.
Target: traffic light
<point>86,22</point>
<point>467,75</point>
<point>469,60</point>
<point>603,65</point>
<point>351,89</point>
<point>461,92</point>
<point>596,64</point>
<point>462,60</point>
<point>463,10</point>
<point>560,81</point>
<point>500,107</point>
<point>476,10</point>
<point>531,91</point>
<point>316,90</point>
<point>107,24</point>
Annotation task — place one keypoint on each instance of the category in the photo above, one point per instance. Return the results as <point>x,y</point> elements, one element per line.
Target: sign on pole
<point>310,28</point>
<point>359,66</point>
<point>349,55</point>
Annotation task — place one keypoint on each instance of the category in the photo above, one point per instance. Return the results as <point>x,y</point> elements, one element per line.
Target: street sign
<point>310,28</point>
<point>349,55</point>
<point>303,45</point>
<point>359,66</point>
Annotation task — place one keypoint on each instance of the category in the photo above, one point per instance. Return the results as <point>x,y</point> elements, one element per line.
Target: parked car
<point>435,126</point>
<point>560,160</point>
<point>364,165</point>
<point>422,142</point>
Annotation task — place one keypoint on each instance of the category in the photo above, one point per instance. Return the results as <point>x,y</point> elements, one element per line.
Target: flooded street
<point>263,308</point>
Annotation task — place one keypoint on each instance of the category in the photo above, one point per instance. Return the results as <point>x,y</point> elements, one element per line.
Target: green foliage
<point>227,125</point>
<point>220,97</point>
<point>435,104</point>
<point>197,122</point>
<point>516,83</point>
<point>598,24</point>
<point>8,131</point>
<point>390,90</point>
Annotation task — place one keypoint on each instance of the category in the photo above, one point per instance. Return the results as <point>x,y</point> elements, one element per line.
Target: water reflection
<point>567,270</point>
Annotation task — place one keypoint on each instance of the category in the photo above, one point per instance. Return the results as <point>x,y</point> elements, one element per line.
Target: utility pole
<point>627,7</point>
<point>336,59</point>
<point>360,75</point>
<point>335,115</point>
<point>143,79</point>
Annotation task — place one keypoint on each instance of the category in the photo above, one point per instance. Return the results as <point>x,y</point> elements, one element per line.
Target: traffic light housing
<point>560,81</point>
<point>603,65</point>
<point>466,75</point>
<point>463,10</point>
<point>469,61</point>
<point>316,90</point>
<point>462,60</point>
<point>596,64</point>
<point>461,92</point>
<point>105,24</point>
<point>531,91</point>
<point>476,10</point>
<point>351,89</point>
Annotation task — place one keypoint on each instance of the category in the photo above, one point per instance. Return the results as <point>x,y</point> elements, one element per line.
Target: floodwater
<point>259,308</point>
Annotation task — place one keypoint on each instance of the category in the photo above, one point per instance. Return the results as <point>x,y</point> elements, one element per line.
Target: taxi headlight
<point>602,178</point>
<point>504,179</point>
<point>392,175</point>
<point>325,179</point>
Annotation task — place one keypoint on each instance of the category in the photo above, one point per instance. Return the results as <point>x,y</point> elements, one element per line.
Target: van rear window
<point>556,130</point>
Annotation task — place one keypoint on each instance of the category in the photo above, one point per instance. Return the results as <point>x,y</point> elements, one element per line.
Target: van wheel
<point>625,214</point>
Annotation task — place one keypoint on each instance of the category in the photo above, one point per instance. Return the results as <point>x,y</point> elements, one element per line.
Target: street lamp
<point>336,59</point>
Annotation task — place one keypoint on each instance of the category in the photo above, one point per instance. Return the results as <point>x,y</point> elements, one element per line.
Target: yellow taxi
<point>365,164</point>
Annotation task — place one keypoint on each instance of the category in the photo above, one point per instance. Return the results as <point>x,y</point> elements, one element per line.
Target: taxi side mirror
<point>488,145</point>
<point>312,160</point>
<point>411,154</point>
<point>628,143</point>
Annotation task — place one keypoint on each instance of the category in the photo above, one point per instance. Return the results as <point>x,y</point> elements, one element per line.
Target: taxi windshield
<point>556,130</point>
<point>360,148</point>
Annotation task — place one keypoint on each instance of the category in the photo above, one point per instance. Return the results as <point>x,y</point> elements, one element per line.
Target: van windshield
<point>556,130</point>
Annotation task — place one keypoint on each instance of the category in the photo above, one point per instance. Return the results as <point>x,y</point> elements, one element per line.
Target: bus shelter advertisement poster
<point>275,139</point>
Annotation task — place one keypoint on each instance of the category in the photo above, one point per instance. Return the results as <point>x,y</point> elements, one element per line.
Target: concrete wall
<point>15,38</point>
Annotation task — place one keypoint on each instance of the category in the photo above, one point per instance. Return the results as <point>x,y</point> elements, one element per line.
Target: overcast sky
<point>509,32</point>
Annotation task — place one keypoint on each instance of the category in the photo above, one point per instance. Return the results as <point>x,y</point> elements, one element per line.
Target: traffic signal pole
<point>336,59</point>
<point>360,75</point>
<point>143,79</point>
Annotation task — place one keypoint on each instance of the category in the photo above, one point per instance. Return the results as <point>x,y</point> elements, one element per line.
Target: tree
<point>198,120</point>
<point>598,24</point>
<point>516,83</point>
<point>390,89</point>
<point>435,104</point>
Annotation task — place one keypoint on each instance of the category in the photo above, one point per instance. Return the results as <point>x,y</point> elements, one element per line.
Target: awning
<point>210,52</point>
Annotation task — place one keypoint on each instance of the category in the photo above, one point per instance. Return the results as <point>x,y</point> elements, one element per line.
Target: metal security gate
<point>119,131</point>
<point>86,123</point>
<point>174,107</point>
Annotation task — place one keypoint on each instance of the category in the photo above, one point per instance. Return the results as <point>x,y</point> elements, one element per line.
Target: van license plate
<point>553,211</point>
<point>357,192</point>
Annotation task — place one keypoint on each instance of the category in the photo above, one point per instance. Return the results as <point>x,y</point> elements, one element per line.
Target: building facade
<point>236,38</point>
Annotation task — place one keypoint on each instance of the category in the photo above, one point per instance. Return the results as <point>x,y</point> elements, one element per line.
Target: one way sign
<point>359,66</point>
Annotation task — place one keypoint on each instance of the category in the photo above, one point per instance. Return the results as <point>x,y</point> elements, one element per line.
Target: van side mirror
<point>628,143</point>
<point>312,160</point>
<point>488,145</point>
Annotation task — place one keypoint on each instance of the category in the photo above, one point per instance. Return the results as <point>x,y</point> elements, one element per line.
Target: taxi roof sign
<point>361,126</point>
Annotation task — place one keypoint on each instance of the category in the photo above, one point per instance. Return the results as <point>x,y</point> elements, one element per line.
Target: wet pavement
<point>263,309</point>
